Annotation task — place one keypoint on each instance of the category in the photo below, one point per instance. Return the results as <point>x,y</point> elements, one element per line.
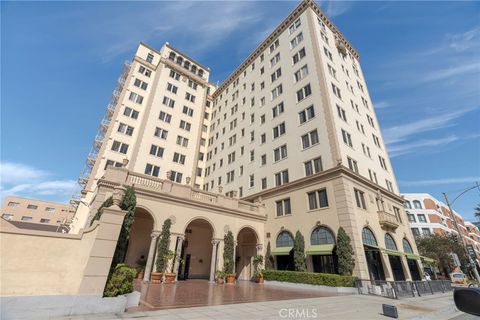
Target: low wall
<point>318,288</point>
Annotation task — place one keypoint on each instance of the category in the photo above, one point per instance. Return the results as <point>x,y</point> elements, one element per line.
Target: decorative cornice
<point>304,5</point>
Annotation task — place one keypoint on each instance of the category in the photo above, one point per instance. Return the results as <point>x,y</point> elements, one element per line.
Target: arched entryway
<point>395,258</point>
<point>196,251</point>
<point>245,252</point>
<point>321,251</point>
<point>139,242</point>
<point>373,255</point>
<point>283,251</point>
<point>411,260</point>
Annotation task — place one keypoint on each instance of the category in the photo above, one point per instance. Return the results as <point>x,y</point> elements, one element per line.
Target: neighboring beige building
<point>292,130</point>
<point>428,216</point>
<point>34,212</point>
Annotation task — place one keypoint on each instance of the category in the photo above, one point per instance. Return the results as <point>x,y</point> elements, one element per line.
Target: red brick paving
<point>195,293</point>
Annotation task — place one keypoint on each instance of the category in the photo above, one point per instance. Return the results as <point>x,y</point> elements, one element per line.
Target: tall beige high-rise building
<point>293,128</point>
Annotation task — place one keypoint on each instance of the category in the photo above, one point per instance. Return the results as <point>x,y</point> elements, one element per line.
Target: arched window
<point>408,205</point>
<point>321,235</point>
<point>172,56</point>
<point>417,204</point>
<point>186,65</point>
<point>194,68</point>
<point>200,73</point>
<point>368,238</point>
<point>407,248</point>
<point>284,239</point>
<point>389,242</point>
<point>179,60</point>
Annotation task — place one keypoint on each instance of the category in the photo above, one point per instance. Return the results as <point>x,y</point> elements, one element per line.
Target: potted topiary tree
<point>162,249</point>
<point>228,260</point>
<point>169,277</point>
<point>257,265</point>
<point>220,276</point>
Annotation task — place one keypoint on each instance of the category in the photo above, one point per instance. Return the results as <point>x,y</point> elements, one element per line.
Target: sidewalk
<point>438,307</point>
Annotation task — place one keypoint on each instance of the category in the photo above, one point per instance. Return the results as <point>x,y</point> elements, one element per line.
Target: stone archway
<point>140,238</point>
<point>246,250</point>
<point>196,251</point>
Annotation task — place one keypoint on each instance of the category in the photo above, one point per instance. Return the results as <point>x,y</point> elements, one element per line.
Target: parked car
<point>427,276</point>
<point>458,278</point>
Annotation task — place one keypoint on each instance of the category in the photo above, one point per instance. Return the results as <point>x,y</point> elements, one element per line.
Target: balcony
<point>387,220</point>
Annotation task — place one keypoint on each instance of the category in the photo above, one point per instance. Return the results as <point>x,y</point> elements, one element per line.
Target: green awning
<point>412,256</point>
<point>320,249</point>
<point>427,259</point>
<point>393,252</point>
<point>282,251</point>
<point>370,247</point>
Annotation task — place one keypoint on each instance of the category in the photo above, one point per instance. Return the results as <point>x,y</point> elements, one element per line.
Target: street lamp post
<point>464,243</point>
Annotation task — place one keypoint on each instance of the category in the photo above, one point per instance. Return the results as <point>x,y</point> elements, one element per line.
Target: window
<point>27,218</point>
<point>252,155</point>
<point>152,170</point>
<point>44,221</point>
<point>299,56</point>
<point>176,176</point>
<point>182,141</point>
<point>309,139</point>
<point>390,243</point>
<point>360,199</point>
<point>174,75</point>
<point>278,109</point>
<point>347,138</point>
<point>274,45</point>
<point>275,60</point>
<point>190,97</point>
<point>283,207</point>
<point>301,73</point>
<point>264,183</point>
<point>113,164</point>
<point>280,153</point>
<point>368,238</point>
<point>150,58</point>
<point>426,232</point>
<point>12,204</point>
<point>251,180</point>
<point>119,147</point>
<point>416,232</point>
<point>304,92</point>
<point>322,235</point>
<point>408,205</point>
<point>146,72</point>
<point>156,151</point>
<point>230,176</point>
<point>328,53</point>
<point>389,185</point>
<point>49,209</point>
<point>263,159</point>
<point>317,199</point>
<point>284,239</point>
<point>411,217</point>
<point>263,138</point>
<point>417,204</point>
<point>407,248</point>
<point>306,114</point>
<point>166,117</point>
<point>140,84</point>
<point>281,178</point>
<point>7,216</point>
<point>135,98</point>
<point>192,84</point>
<point>129,112</point>
<point>275,75</point>
<point>185,125</point>
<point>168,102</point>
<point>279,130</point>
<point>336,91</point>
<point>332,71</point>
<point>396,211</point>
<point>294,26</point>
<point>160,133</point>
<point>277,91</point>
<point>172,88</point>
<point>376,141</point>
<point>296,41</point>
<point>125,129</point>
<point>383,164</point>
<point>313,166</point>
<point>352,164</point>
<point>422,218</point>
<point>341,113</point>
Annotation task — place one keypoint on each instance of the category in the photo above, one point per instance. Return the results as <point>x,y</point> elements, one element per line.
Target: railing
<point>145,182</point>
<point>197,195</point>
<point>401,289</point>
<point>387,219</point>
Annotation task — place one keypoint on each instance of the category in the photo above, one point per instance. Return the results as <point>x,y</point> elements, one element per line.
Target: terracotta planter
<point>259,279</point>
<point>169,278</point>
<point>231,278</point>
<point>140,275</point>
<point>220,281</point>
<point>156,277</point>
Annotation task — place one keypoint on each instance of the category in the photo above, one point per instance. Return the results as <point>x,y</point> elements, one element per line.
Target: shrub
<point>257,265</point>
<point>269,262</point>
<point>162,247</point>
<point>346,262</point>
<point>228,258</point>
<point>325,279</point>
<point>299,258</point>
<point>121,281</point>
<point>107,203</point>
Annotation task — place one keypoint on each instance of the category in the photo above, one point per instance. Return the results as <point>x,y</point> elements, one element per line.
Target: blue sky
<point>60,62</point>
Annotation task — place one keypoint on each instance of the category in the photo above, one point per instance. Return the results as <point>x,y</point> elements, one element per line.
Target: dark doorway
<point>397,270</point>
<point>285,262</point>
<point>374,262</point>
<point>325,263</point>
<point>413,267</point>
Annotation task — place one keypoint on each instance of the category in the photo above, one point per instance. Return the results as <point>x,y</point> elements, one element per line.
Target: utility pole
<point>460,234</point>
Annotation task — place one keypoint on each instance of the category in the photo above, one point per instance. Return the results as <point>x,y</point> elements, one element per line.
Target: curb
<point>438,314</point>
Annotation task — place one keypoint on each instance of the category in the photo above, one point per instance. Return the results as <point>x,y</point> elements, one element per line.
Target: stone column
<point>235,244</point>
<point>176,263</point>
<point>151,255</point>
<point>213,262</point>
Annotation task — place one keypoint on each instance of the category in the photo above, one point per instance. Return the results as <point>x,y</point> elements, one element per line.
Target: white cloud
<point>464,69</point>
<point>335,8</point>
<point>464,41</point>
<point>14,173</point>
<point>382,105</point>
<point>396,150</point>
<point>433,182</point>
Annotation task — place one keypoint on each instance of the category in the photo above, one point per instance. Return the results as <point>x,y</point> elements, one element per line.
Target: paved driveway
<point>196,293</point>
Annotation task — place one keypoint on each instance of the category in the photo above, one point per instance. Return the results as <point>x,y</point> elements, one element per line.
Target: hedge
<point>325,279</point>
